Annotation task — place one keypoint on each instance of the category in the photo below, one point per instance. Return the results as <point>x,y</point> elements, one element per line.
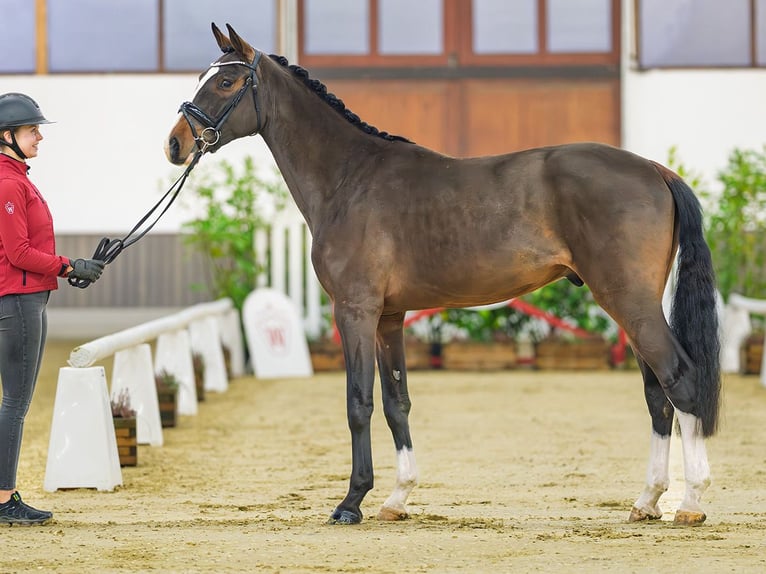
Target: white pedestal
<point>133,371</point>
<point>82,452</point>
<point>174,355</point>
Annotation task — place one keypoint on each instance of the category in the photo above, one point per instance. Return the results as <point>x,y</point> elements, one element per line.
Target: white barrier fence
<point>736,328</point>
<point>285,251</point>
<point>83,450</point>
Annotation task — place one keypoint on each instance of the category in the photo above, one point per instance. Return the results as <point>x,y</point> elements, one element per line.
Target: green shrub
<point>225,231</point>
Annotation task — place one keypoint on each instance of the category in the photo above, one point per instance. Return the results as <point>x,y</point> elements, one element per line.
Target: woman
<point>28,271</point>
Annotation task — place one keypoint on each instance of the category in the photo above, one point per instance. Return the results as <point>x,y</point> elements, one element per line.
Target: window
<point>502,27</point>
<point>579,26</point>
<point>337,27</point>
<point>333,31</point>
<point>126,35</point>
<point>420,32</point>
<point>455,33</point>
<point>189,44</point>
<point>701,33</point>
<point>92,35</point>
<point>760,28</point>
<point>19,36</point>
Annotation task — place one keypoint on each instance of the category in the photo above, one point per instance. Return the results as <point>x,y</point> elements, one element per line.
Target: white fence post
<point>83,447</point>
<point>206,340</point>
<point>231,336</point>
<point>82,452</point>
<point>174,355</point>
<point>133,371</point>
<point>287,246</point>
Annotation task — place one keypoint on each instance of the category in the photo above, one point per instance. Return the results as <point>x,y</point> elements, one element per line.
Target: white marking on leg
<point>696,467</point>
<point>406,480</point>
<point>657,477</point>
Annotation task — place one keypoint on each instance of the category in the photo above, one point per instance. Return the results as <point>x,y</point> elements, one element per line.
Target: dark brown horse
<point>396,227</point>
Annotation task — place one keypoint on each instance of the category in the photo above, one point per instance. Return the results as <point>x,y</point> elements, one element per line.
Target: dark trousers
<point>23,328</point>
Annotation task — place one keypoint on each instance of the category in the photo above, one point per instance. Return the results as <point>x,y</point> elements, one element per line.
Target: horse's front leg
<point>356,324</point>
<point>396,406</point>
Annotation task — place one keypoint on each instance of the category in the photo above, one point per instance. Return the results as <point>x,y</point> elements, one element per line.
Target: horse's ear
<point>223,42</point>
<point>242,47</point>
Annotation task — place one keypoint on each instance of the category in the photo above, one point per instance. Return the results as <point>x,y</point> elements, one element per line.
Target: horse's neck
<point>310,142</point>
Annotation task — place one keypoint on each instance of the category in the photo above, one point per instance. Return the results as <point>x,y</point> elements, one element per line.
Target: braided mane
<point>336,103</point>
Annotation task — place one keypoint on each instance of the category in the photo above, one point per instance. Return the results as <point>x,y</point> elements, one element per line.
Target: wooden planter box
<point>574,355</point>
<point>328,355</point>
<point>473,356</point>
<point>199,384</point>
<point>167,399</point>
<point>127,442</point>
<point>751,355</point>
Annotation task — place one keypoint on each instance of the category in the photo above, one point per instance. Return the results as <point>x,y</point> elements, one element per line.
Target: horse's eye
<point>225,84</point>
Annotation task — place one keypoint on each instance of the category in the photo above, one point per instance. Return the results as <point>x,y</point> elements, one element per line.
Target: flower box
<point>127,441</point>
<point>751,354</point>
<point>583,354</point>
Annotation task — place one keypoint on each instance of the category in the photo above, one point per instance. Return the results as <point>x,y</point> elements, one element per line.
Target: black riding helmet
<point>18,110</point>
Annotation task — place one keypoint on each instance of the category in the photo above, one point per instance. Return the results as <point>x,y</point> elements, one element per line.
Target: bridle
<point>108,250</point>
<point>211,132</point>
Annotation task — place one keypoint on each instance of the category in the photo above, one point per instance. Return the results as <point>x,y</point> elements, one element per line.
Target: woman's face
<point>27,138</point>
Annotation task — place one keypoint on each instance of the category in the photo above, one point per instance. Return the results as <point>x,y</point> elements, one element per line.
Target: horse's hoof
<point>391,514</point>
<point>344,517</point>
<point>637,515</point>
<point>689,518</point>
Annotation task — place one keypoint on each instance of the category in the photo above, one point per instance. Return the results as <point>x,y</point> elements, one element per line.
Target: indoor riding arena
<point>520,471</point>
<point>523,177</point>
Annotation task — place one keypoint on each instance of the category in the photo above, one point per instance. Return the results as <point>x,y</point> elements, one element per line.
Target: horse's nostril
<point>174,147</point>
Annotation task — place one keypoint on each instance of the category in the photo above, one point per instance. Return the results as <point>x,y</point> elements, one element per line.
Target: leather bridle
<point>108,249</point>
<point>211,127</point>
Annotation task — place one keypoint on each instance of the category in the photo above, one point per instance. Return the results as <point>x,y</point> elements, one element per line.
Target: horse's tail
<point>694,317</point>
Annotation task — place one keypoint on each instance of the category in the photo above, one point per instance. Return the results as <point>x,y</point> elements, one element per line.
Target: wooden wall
<point>470,117</point>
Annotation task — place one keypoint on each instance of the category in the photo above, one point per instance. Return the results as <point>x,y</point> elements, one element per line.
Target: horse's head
<point>225,105</point>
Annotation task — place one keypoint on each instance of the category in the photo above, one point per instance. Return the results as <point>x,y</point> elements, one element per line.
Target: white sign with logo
<point>275,336</point>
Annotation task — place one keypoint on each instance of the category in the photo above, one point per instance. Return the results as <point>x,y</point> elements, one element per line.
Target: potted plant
<point>560,349</point>
<point>124,418</point>
<point>463,339</point>
<point>198,362</point>
<point>167,397</point>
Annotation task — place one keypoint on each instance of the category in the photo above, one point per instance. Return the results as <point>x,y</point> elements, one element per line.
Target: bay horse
<point>397,227</point>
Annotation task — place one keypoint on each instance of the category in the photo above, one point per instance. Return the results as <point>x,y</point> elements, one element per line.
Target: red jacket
<point>28,260</point>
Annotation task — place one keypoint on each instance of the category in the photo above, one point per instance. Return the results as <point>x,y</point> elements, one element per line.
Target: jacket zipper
<point>24,278</point>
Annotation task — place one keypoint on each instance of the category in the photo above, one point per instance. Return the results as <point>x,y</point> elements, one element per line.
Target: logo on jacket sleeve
<point>9,207</point>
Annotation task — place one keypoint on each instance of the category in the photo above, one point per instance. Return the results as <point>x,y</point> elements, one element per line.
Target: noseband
<point>211,132</point>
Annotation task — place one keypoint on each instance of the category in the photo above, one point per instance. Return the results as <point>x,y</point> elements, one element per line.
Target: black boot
<point>16,512</point>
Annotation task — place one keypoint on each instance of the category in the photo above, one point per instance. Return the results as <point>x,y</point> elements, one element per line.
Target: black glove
<point>88,269</point>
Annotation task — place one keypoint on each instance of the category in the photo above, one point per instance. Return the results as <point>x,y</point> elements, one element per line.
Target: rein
<point>108,249</point>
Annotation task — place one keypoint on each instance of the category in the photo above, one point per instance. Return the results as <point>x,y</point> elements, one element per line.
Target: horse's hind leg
<point>396,407</point>
<point>657,479</point>
<point>668,364</point>
<point>696,470</point>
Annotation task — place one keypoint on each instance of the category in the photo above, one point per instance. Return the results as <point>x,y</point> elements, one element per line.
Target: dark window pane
<point>94,35</point>
<point>189,43</point>
<point>579,26</point>
<point>337,27</point>
<point>504,26</point>
<point>408,27</point>
<point>695,33</point>
<point>18,45</point>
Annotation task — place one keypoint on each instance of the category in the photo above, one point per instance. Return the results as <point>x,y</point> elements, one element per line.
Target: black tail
<point>694,317</point>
